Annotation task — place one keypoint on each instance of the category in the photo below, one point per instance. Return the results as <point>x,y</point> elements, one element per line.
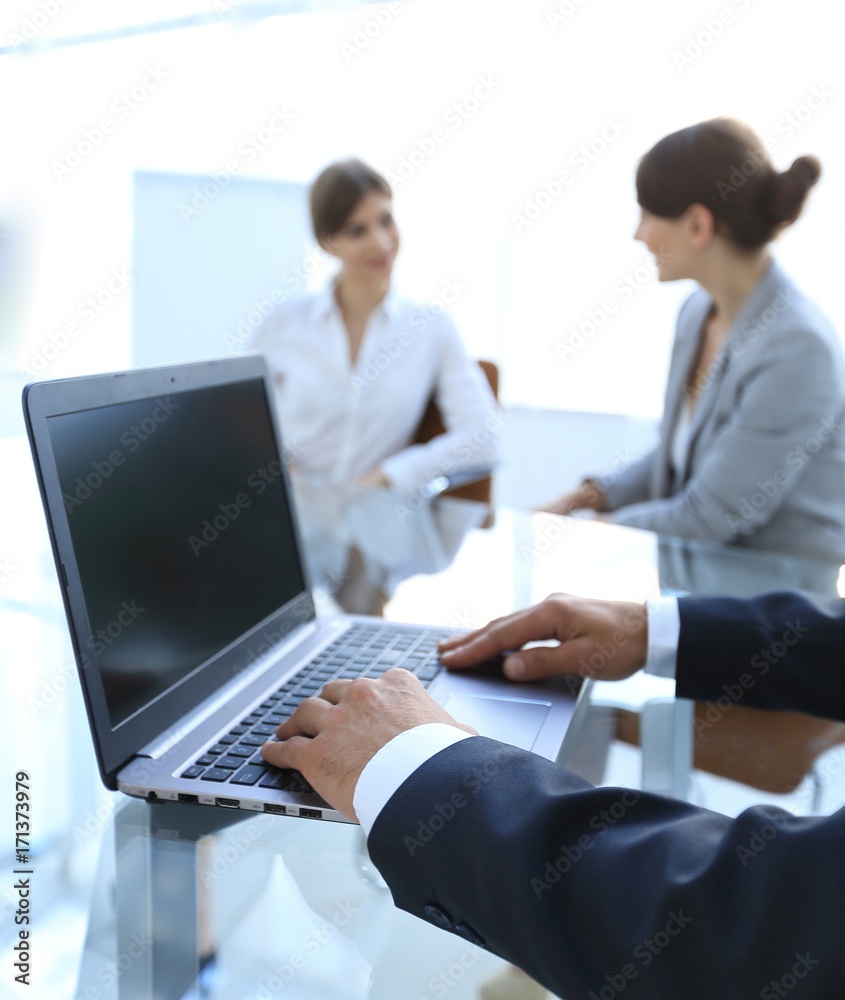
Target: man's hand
<point>615,630</point>
<point>331,738</point>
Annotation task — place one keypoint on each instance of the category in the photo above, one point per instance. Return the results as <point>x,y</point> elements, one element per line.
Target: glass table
<point>134,900</point>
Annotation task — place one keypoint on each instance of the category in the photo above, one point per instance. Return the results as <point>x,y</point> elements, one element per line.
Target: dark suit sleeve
<point>780,650</point>
<point>608,892</point>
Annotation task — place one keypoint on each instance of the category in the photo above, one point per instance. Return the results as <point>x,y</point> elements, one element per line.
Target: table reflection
<point>360,543</point>
<point>688,567</point>
<point>203,903</point>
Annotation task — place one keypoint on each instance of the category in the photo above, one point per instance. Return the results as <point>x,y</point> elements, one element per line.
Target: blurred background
<point>155,160</point>
<point>155,154</point>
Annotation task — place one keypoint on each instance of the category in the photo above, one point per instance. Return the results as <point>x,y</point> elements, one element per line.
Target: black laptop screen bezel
<point>115,747</point>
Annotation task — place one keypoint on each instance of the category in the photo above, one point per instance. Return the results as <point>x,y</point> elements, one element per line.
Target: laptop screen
<point>181,530</point>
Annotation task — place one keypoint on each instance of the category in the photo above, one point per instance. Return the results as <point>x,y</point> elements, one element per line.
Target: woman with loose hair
<point>356,364</point>
<point>750,449</point>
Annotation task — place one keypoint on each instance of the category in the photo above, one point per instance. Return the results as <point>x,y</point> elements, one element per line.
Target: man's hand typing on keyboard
<point>330,738</point>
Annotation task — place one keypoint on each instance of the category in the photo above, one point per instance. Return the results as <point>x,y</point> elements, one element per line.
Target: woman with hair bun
<point>750,450</point>
<point>356,364</point>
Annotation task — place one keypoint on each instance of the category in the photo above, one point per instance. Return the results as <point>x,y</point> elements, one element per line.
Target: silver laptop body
<point>193,626</point>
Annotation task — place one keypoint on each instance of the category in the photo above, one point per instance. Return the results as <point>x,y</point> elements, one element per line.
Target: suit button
<point>437,915</point>
<point>470,934</point>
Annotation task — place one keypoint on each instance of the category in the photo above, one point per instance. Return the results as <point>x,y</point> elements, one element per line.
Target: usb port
<point>273,807</point>
<point>184,797</point>
<point>228,803</point>
<point>311,813</point>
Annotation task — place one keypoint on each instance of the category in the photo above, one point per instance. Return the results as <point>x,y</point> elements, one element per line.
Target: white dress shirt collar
<point>326,305</point>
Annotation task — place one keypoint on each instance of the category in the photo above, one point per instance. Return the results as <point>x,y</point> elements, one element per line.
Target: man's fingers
<point>288,754</point>
<point>547,661</point>
<point>501,636</point>
<point>307,720</point>
<point>335,690</point>
<point>454,641</point>
<point>473,651</point>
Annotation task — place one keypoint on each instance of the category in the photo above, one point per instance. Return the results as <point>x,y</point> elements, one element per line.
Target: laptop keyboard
<point>363,650</point>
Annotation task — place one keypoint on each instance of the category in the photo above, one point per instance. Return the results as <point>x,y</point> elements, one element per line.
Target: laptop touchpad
<point>504,719</point>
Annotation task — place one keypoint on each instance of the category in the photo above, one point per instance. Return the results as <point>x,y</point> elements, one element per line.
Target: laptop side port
<point>273,807</point>
<point>185,797</point>
<point>228,803</point>
<point>311,813</point>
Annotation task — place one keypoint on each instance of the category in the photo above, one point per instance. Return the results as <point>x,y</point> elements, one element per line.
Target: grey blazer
<point>765,460</point>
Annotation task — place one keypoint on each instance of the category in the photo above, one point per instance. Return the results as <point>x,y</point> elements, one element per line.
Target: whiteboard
<point>211,254</point>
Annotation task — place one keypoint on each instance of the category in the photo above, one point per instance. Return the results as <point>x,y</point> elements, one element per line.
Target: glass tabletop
<point>139,900</point>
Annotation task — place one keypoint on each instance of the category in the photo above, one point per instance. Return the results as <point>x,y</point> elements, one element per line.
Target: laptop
<point>179,559</point>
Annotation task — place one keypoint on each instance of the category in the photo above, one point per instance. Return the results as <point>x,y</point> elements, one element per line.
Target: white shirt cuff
<point>397,761</point>
<point>664,630</point>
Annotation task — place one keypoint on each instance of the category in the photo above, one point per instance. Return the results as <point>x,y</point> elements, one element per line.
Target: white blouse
<point>339,421</point>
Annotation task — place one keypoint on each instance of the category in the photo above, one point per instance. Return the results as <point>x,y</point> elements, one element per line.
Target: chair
<point>772,751</point>
<point>431,425</point>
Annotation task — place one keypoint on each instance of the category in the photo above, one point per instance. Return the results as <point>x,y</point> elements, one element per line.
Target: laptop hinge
<point>170,737</point>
